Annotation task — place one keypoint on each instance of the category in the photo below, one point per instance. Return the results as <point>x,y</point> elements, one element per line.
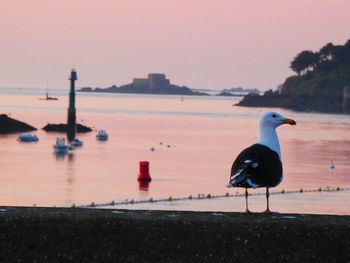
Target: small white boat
<point>60,147</point>
<point>76,143</point>
<point>27,137</point>
<point>102,135</point>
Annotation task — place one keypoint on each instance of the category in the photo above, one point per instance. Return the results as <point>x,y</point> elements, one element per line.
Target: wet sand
<point>97,235</point>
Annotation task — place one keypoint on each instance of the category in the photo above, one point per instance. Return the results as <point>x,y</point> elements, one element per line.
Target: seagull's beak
<point>289,121</point>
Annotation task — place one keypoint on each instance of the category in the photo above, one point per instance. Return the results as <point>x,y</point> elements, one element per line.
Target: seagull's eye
<point>274,116</point>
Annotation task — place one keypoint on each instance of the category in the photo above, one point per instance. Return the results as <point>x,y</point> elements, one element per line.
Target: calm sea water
<point>204,135</point>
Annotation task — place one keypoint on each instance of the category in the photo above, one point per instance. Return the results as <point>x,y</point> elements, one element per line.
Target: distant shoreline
<point>299,104</point>
<point>157,83</point>
<point>195,93</point>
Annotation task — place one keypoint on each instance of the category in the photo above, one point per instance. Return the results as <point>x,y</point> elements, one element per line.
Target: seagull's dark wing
<point>256,166</point>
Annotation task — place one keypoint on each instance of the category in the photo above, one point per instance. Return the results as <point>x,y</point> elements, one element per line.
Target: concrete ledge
<point>96,235</point>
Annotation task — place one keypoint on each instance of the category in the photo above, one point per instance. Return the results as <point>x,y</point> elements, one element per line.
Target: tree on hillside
<point>347,44</point>
<point>304,61</point>
<point>342,54</point>
<point>330,57</point>
<point>327,52</point>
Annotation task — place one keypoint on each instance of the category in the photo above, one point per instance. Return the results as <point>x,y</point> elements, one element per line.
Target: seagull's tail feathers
<point>238,178</point>
<point>241,177</point>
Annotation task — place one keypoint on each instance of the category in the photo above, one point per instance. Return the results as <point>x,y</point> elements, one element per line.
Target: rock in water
<point>63,128</point>
<point>9,125</point>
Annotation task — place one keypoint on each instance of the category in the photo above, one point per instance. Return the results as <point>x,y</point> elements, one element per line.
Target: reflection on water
<point>70,179</point>
<point>208,134</point>
<point>63,155</point>
<point>143,185</point>
<point>59,156</point>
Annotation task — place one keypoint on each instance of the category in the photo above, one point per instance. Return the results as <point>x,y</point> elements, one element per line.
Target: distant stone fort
<point>155,83</point>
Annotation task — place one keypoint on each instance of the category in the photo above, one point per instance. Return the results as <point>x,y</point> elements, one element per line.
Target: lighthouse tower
<point>71,121</point>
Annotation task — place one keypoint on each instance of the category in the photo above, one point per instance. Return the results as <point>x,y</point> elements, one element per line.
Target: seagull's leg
<point>246,201</point>
<point>267,201</point>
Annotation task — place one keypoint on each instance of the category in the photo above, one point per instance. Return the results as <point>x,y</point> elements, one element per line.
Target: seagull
<point>260,164</point>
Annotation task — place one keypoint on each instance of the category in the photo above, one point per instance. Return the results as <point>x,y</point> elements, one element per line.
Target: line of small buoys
<point>208,196</point>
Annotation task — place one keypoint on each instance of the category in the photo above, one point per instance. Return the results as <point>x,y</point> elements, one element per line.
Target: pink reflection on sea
<point>205,135</point>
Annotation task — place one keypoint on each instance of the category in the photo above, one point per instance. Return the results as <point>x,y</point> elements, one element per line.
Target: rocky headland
<point>322,83</point>
<point>296,103</point>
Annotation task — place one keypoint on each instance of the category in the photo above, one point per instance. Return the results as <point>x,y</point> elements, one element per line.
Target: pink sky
<point>198,43</point>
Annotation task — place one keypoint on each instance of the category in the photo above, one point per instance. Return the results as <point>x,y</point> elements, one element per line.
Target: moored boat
<point>60,147</point>
<point>102,135</point>
<point>76,143</point>
<point>27,137</point>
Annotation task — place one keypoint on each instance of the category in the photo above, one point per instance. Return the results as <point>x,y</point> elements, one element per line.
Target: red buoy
<point>144,172</point>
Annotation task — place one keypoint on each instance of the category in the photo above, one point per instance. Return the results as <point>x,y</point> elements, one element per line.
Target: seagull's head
<point>274,119</point>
